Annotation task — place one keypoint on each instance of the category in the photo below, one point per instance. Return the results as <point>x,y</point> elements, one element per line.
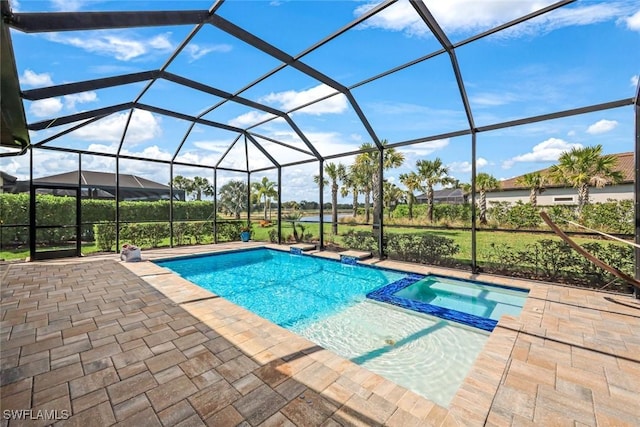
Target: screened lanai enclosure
<point>330,123</point>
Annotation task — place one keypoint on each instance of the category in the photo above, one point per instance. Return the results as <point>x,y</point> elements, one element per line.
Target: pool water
<point>471,303</point>
<point>289,290</point>
<point>325,302</point>
<point>468,297</point>
<point>427,355</point>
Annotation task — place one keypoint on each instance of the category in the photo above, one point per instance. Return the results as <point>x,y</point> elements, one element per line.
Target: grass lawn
<point>517,241</point>
<point>23,253</point>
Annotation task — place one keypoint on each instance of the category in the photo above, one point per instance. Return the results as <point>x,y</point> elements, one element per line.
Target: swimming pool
<point>325,302</point>
<point>290,290</point>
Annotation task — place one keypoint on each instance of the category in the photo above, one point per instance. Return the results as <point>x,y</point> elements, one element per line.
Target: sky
<point>579,55</point>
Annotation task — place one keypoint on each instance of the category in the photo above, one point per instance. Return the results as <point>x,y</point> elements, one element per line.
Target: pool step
<point>301,247</point>
<point>352,257</point>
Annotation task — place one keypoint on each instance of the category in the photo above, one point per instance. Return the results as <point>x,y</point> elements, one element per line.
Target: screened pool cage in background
<point>238,159</point>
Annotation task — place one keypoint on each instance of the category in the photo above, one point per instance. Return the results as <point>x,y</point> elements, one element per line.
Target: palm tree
<point>431,173</point>
<point>202,186</point>
<point>350,183</point>
<point>412,182</point>
<point>466,190</point>
<point>293,205</point>
<point>265,189</point>
<point>484,183</point>
<point>392,194</point>
<point>233,198</point>
<point>584,167</point>
<point>536,182</point>
<point>363,170</point>
<point>181,183</point>
<point>367,164</point>
<point>335,173</point>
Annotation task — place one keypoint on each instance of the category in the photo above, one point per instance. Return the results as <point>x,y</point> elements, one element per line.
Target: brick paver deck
<point>107,342</point>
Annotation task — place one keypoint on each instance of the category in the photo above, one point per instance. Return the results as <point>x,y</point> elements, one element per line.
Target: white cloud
<point>633,21</point>
<point>493,99</point>
<point>465,167</point>
<point>602,126</point>
<point>45,107</point>
<point>143,127</point>
<point>196,51</point>
<point>479,15</point>
<point>161,42</point>
<point>425,148</point>
<point>31,78</point>
<point>471,16</point>
<point>398,17</point>
<point>218,146</point>
<point>249,119</point>
<point>546,151</point>
<point>151,152</point>
<point>80,98</point>
<point>571,133</point>
<point>111,69</point>
<point>508,164</point>
<point>67,5</point>
<point>44,164</point>
<point>634,80</point>
<point>582,14</point>
<point>291,99</point>
<point>356,137</point>
<point>116,44</point>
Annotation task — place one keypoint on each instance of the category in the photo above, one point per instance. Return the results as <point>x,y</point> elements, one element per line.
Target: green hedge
<point>555,260</point>
<point>441,212</point>
<point>52,210</point>
<point>613,216</point>
<point>15,209</point>
<point>419,248</point>
<point>157,234</point>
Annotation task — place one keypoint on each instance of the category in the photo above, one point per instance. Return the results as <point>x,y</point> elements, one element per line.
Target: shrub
<point>229,231</point>
<point>421,248</point>
<point>523,215</point>
<point>180,230</point>
<point>617,256</point>
<point>555,260</point>
<point>614,216</point>
<point>105,236</point>
<point>200,231</point>
<point>402,211</point>
<point>551,258</point>
<point>361,240</point>
<point>498,212</point>
<point>452,213</point>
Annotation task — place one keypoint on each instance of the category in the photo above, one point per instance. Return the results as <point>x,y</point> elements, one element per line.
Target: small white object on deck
<point>130,253</point>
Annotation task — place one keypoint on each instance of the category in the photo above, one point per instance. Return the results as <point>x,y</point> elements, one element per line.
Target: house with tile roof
<point>560,194</point>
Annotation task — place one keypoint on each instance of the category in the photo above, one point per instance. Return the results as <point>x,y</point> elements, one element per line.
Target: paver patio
<point>114,343</point>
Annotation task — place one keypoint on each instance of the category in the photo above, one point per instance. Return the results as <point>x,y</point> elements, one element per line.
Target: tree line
<point>580,168</point>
